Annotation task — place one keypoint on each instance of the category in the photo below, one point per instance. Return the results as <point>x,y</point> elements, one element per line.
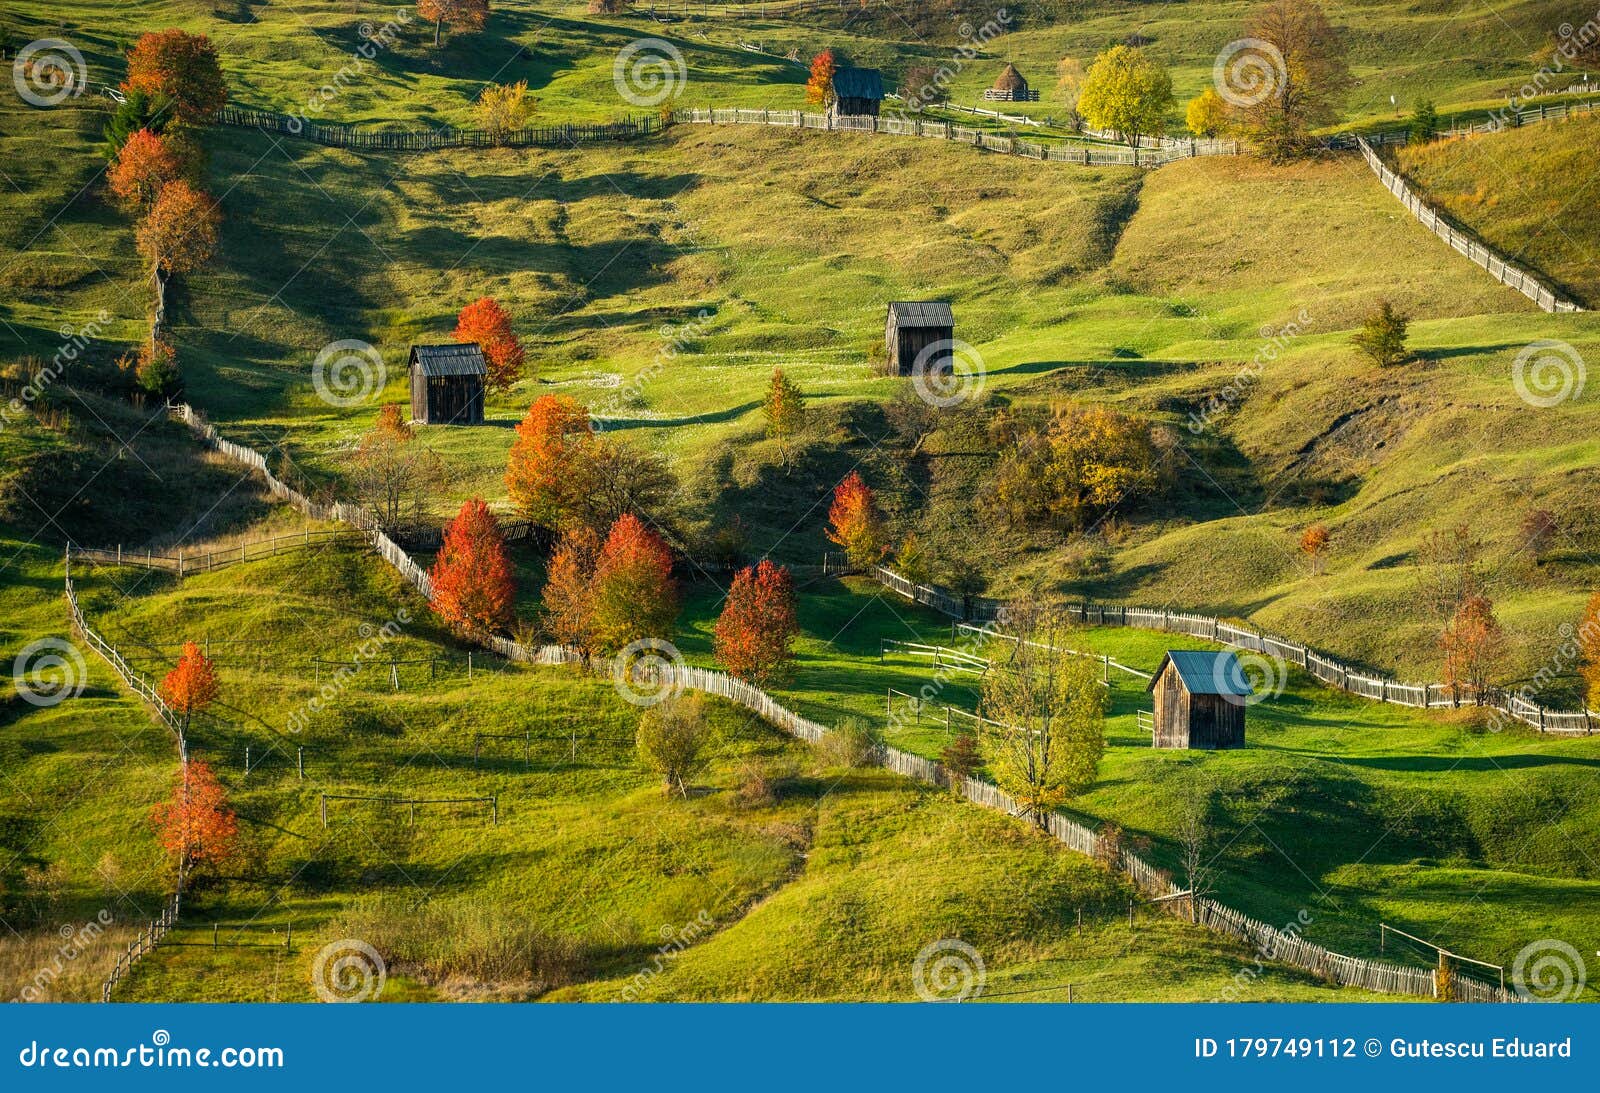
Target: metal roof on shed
<point>458,359</point>
<point>858,83</point>
<point>1205,673</point>
<point>923,313</point>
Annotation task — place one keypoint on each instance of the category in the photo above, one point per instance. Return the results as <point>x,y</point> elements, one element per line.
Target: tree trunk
<point>437,24</point>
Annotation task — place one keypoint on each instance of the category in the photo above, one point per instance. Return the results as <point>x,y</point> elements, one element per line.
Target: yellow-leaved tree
<point>502,109</point>
<point>1127,91</point>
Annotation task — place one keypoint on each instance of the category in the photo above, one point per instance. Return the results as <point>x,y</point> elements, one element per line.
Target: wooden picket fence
<point>1327,669</point>
<point>1466,242</point>
<point>108,652</point>
<point>367,138</point>
<point>203,561</point>
<point>145,943</point>
<point>1284,948</point>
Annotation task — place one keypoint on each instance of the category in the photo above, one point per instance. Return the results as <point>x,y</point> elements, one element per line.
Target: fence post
<point>300,760</point>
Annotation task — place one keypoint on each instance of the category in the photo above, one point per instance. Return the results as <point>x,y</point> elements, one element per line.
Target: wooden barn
<point>913,328</point>
<point>1199,700</point>
<point>1009,86</point>
<point>856,92</point>
<point>447,384</point>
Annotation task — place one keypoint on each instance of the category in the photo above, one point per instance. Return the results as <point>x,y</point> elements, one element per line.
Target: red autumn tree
<point>484,321</point>
<point>855,524</point>
<point>182,68</point>
<point>195,824</point>
<point>756,630</point>
<point>634,593</point>
<point>472,584</point>
<point>819,88</point>
<point>179,234</point>
<point>145,164</point>
<point>1472,644</point>
<point>547,474</point>
<point>460,14</point>
<point>569,589</point>
<point>192,685</point>
<point>1313,544</point>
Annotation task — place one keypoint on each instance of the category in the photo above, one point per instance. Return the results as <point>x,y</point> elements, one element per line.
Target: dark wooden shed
<point>918,327</point>
<point>447,384</point>
<point>1200,700</point>
<point>856,92</point>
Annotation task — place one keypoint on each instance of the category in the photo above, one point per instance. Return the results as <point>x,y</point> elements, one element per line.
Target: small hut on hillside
<point>856,92</point>
<point>1009,86</point>
<point>1199,700</point>
<point>924,329</point>
<point>447,384</point>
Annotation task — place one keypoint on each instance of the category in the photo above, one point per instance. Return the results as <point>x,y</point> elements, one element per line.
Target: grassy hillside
<point>1527,192</point>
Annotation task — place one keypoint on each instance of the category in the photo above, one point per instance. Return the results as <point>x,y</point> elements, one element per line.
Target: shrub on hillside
<point>672,740</point>
<point>854,742</point>
<point>1382,337</point>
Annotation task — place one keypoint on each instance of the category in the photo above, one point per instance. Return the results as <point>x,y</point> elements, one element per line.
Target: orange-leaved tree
<point>569,589</point>
<point>145,163</point>
<point>1589,649</point>
<point>854,521</point>
<point>819,88</point>
<point>179,233</point>
<point>756,630</point>
<point>460,14</point>
<point>192,685</point>
<point>181,68</point>
<point>195,824</point>
<point>634,593</point>
<point>1472,644</point>
<point>547,474</point>
<point>473,589</point>
<point>392,423</point>
<point>1313,544</point>
<point>484,321</point>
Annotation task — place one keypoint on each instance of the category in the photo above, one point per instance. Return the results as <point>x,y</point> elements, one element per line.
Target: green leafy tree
<point>1127,91</point>
<point>1382,336</point>
<point>672,741</point>
<point>1424,122</point>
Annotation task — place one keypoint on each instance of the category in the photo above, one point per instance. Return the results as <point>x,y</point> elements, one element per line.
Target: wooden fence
<point>1285,948</point>
<point>204,561</point>
<point>960,134</point>
<point>1327,669</point>
<point>145,943</point>
<point>108,652</point>
<point>1465,242</point>
<point>367,138</point>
